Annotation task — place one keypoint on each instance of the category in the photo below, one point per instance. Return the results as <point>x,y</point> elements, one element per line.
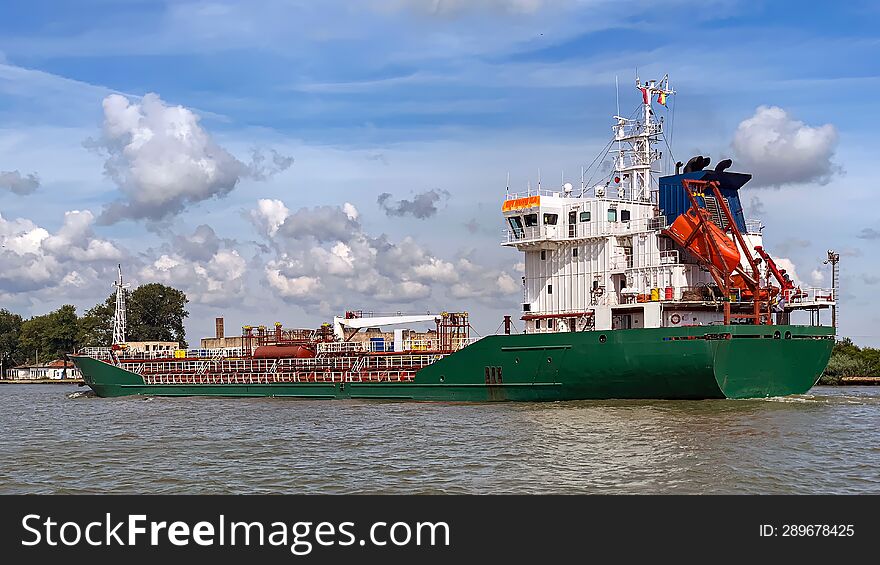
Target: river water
<point>61,439</point>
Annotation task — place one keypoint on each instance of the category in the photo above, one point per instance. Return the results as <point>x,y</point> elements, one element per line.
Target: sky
<point>283,160</point>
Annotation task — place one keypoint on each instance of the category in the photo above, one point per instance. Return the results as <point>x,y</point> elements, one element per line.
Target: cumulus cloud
<point>322,223</point>
<point>161,159</point>
<point>324,258</point>
<point>202,245</point>
<point>33,259</point>
<point>17,183</point>
<point>778,149</point>
<point>423,205</point>
<point>217,280</point>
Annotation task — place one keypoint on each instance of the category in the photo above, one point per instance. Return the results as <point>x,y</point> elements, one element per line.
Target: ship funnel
<point>697,163</point>
<point>723,165</point>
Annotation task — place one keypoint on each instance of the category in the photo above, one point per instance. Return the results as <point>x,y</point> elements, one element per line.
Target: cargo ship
<point>637,286</point>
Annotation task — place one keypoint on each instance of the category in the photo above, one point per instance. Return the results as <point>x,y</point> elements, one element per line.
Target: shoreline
<point>42,381</point>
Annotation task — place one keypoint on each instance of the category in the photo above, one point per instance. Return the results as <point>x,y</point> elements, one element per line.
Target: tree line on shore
<point>154,312</point>
<point>850,360</point>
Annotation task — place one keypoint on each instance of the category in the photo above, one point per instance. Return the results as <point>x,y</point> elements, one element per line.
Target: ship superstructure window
<point>612,214</point>
<point>624,215</point>
<point>537,324</point>
<point>574,251</point>
<point>549,289</point>
<point>516,225</point>
<point>531,220</point>
<point>550,219</point>
<point>585,216</point>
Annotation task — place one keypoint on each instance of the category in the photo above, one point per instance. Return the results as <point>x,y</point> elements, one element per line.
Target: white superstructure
<point>597,258</point>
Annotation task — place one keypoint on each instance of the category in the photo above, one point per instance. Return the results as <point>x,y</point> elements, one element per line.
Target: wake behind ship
<point>635,287</point>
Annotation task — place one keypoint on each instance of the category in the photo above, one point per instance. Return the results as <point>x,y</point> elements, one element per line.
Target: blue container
<point>377,344</point>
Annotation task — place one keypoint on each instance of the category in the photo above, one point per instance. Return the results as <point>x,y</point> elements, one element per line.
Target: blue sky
<point>403,97</point>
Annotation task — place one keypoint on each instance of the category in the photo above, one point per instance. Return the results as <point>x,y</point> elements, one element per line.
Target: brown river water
<point>62,439</point>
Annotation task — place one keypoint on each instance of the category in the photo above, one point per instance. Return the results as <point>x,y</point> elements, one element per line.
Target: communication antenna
<point>508,182</point>
<point>119,316</point>
<point>617,93</point>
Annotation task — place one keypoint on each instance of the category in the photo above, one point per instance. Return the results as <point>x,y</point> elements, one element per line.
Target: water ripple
<point>60,439</point>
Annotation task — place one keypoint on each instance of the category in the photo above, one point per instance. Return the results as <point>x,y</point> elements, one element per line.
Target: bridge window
<point>624,215</point>
<point>612,214</point>
<point>531,220</point>
<point>550,219</point>
<point>517,226</point>
<point>585,216</point>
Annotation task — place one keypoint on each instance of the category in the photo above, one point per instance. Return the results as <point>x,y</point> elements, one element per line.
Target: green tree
<point>156,312</point>
<point>850,360</point>
<point>49,336</point>
<point>95,327</point>
<point>10,330</point>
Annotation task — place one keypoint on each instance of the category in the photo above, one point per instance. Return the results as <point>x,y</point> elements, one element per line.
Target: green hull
<point>662,363</point>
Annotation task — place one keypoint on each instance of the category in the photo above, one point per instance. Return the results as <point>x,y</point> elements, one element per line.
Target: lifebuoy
<point>675,318</point>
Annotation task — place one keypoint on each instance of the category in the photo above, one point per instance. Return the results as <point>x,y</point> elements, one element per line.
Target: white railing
<point>812,295</point>
<point>754,226</point>
<point>96,352</point>
<point>104,353</point>
<point>669,257</point>
<point>535,192</point>
<point>583,230</point>
<point>343,347</point>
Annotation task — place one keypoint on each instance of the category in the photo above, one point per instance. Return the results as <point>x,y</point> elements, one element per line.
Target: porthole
<point>776,334</point>
<point>602,338</point>
<point>787,335</point>
<point>516,360</point>
<point>442,378</point>
<point>549,359</point>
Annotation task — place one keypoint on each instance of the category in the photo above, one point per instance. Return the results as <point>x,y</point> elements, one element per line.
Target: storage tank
<point>275,351</point>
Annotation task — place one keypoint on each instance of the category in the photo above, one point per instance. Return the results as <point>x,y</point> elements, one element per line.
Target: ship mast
<point>636,138</point>
<point>119,316</point>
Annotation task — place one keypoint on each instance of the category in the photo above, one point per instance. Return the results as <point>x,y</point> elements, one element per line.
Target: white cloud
<point>162,159</point>
<point>269,215</point>
<point>217,281</point>
<point>77,239</point>
<point>778,150</point>
<point>289,287</point>
<point>33,259</point>
<point>817,277</point>
<point>325,259</point>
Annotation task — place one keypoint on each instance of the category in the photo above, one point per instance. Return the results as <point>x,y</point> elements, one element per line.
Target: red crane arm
<point>785,284</point>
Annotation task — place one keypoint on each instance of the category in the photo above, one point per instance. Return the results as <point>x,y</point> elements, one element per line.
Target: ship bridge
<point>640,250</point>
